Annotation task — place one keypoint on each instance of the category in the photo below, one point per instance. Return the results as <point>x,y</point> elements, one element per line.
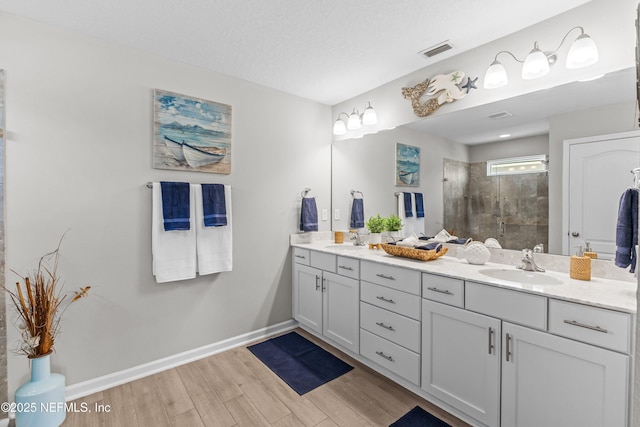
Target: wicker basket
<point>421,254</point>
<point>580,268</point>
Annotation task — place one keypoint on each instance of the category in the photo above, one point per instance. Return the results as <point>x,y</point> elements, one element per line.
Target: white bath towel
<point>410,224</point>
<point>174,252</point>
<point>214,244</point>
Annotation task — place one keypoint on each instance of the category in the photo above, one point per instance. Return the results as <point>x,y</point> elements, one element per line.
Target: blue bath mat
<point>418,417</point>
<point>299,362</point>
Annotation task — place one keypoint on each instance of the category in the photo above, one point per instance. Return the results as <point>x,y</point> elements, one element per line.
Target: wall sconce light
<point>355,120</point>
<point>583,52</point>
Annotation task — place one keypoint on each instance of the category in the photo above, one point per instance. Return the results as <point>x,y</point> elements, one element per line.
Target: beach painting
<point>191,134</point>
<point>407,165</point>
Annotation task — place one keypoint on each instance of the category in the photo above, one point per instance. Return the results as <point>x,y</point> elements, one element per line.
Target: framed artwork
<point>191,134</point>
<point>407,165</point>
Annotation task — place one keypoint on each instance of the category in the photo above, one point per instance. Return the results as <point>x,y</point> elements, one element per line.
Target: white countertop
<point>599,292</point>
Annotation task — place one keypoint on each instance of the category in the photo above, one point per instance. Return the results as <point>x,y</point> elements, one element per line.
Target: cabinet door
<point>461,360</point>
<point>551,381</point>
<point>307,296</point>
<point>341,310</point>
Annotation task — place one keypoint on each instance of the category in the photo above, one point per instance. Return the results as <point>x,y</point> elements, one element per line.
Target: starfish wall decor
<point>443,88</point>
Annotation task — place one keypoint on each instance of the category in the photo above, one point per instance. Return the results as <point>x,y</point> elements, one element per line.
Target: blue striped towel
<point>214,207</point>
<point>175,205</point>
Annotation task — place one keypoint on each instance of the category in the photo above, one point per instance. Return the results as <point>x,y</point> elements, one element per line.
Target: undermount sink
<point>345,246</point>
<point>521,276</point>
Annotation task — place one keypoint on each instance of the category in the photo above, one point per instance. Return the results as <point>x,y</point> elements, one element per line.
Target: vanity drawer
<point>391,299</point>
<point>399,278</point>
<point>443,289</point>
<point>349,267</point>
<point>512,306</point>
<point>394,327</point>
<point>395,358</point>
<point>323,261</point>
<point>598,326</point>
<point>301,256</point>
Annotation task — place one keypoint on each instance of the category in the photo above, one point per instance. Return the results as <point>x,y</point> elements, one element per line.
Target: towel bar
<point>150,185</point>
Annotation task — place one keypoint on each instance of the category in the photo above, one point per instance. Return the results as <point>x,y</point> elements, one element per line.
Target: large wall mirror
<point>538,123</point>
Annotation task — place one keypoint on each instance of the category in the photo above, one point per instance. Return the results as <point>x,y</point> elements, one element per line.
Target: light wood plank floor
<point>234,388</point>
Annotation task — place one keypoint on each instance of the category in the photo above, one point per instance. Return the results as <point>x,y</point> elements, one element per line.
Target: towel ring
<point>304,192</point>
<point>354,192</point>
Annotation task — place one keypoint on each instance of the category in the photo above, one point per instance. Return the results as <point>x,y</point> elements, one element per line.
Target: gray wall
<point>78,146</point>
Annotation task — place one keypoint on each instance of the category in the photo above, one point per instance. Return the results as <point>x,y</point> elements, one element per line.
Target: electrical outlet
<point>336,214</point>
<point>325,214</point>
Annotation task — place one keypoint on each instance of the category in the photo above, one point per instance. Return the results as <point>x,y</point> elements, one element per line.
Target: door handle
<point>317,282</point>
<point>490,340</point>
<point>575,234</point>
<point>508,349</point>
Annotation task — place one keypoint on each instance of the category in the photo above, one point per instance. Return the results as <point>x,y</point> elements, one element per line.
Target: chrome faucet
<point>528,263</point>
<point>356,238</point>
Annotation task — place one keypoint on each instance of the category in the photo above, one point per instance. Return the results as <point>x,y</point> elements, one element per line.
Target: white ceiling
<point>323,50</point>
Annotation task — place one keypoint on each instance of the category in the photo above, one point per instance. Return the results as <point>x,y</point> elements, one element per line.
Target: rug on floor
<point>299,362</point>
<point>418,417</point>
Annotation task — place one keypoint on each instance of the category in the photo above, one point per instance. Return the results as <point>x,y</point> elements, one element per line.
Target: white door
<point>461,360</point>
<point>341,322</point>
<point>557,382</point>
<point>599,172</point>
<point>308,296</point>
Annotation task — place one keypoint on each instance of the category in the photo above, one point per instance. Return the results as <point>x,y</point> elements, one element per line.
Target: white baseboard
<point>95,385</point>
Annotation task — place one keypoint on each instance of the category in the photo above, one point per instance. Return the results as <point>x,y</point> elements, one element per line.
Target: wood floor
<point>234,388</point>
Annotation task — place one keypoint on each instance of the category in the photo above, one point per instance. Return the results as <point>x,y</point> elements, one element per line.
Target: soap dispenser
<point>588,252</point>
<point>580,265</point>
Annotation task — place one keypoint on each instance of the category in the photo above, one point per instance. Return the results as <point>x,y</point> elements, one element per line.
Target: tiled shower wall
<point>511,208</point>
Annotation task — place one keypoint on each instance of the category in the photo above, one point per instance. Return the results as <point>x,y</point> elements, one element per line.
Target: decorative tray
<point>421,254</point>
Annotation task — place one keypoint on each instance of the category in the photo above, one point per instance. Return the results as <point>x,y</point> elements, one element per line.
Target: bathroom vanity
<point>545,351</point>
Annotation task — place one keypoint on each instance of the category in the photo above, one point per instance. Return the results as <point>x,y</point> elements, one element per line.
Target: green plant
<point>376,224</point>
<point>393,223</point>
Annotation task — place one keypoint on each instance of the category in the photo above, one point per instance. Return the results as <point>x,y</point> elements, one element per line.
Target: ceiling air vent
<point>435,50</point>
<point>499,115</point>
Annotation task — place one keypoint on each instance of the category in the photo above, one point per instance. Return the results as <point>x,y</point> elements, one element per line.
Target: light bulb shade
<point>354,121</point>
<point>496,76</point>
<point>535,65</point>
<point>339,128</point>
<point>583,52</point>
<point>369,117</point>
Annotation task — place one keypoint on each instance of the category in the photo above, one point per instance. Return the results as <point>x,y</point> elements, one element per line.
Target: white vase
<point>375,238</point>
<point>477,253</point>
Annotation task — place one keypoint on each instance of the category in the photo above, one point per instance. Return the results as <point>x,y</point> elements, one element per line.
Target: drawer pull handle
<point>490,340</point>
<point>301,256</point>
<point>344,267</point>
<point>382,325</point>
<point>390,301</point>
<point>582,325</point>
<point>386,277</point>
<point>446,291</point>
<point>381,354</point>
<point>508,349</point>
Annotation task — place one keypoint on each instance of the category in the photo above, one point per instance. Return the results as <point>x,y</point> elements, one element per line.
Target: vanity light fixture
<point>582,53</point>
<point>355,120</point>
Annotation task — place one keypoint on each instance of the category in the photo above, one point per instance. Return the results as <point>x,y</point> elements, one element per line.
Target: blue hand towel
<point>419,206</point>
<point>214,207</point>
<point>309,215</point>
<point>357,214</point>
<point>431,246</point>
<point>627,229</point>
<point>408,208</point>
<point>175,205</point>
